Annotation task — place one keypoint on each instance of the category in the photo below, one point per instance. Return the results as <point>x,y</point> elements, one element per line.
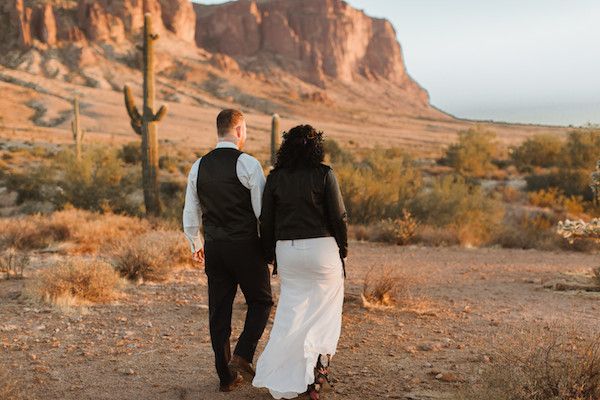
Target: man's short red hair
<point>227,120</point>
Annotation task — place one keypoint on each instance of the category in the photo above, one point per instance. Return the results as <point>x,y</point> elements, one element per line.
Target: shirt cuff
<point>196,242</point>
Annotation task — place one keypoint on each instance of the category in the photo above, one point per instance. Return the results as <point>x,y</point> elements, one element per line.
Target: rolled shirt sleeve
<point>251,175</point>
<point>192,213</point>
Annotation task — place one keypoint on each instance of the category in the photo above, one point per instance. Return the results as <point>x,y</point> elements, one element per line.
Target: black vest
<point>227,213</point>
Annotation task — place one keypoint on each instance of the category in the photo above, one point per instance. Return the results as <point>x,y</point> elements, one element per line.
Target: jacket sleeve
<point>336,212</point>
<point>267,221</point>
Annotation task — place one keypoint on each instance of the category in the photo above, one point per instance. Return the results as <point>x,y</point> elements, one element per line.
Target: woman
<point>304,232</point>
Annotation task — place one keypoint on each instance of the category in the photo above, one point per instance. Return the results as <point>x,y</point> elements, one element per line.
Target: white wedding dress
<point>309,315</point>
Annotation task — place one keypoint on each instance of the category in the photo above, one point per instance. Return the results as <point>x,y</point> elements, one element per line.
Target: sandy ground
<point>154,343</point>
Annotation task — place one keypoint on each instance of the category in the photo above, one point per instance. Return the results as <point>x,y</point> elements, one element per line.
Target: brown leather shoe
<point>239,365</point>
<point>237,381</point>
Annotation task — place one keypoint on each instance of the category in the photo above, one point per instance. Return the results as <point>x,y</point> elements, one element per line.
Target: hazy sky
<point>513,60</point>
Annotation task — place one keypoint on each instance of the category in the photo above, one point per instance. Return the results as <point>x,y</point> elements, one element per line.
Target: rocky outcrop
<point>22,24</point>
<point>315,39</point>
<point>179,17</point>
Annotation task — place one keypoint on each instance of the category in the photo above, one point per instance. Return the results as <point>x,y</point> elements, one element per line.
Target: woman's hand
<point>198,256</point>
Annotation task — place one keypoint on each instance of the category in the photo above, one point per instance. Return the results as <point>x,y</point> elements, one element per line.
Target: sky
<point>532,61</point>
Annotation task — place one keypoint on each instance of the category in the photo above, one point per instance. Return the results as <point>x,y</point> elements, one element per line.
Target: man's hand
<point>198,256</point>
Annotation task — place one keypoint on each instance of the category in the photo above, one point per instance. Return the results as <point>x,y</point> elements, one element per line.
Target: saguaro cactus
<point>275,133</point>
<point>78,133</point>
<point>145,123</point>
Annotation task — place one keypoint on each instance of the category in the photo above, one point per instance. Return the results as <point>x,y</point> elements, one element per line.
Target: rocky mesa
<point>314,40</point>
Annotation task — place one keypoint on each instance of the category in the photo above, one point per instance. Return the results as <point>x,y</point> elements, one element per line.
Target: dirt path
<point>154,343</point>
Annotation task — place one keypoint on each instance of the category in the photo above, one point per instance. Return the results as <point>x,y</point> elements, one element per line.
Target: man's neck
<point>230,139</point>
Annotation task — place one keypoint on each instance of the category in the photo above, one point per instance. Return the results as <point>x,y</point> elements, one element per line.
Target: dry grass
<point>92,232</point>
<point>152,256</point>
<point>9,387</point>
<point>76,282</point>
<point>384,287</point>
<point>399,231</point>
<point>89,232</point>
<point>33,232</point>
<point>542,366</point>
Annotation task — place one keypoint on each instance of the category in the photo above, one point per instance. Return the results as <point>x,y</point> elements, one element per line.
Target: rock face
<point>23,24</point>
<point>179,17</point>
<point>315,38</point>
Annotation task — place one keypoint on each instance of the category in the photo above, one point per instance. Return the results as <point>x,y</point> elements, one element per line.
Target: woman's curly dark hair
<point>302,147</point>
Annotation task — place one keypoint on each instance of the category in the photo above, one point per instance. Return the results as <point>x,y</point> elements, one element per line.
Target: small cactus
<point>145,123</point>
<point>275,134</point>
<point>78,133</point>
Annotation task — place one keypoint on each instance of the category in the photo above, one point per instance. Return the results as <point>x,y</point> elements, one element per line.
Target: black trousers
<point>227,265</point>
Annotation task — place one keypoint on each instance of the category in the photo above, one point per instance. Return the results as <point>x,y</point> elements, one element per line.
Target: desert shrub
<point>528,231</point>
<point>596,273</point>
<point>543,366</point>
<point>582,149</point>
<point>168,163</point>
<point>76,281</point>
<point>151,257</point>
<point>378,187</point>
<point>541,150</point>
<point>97,182</point>
<point>88,231</point>
<point>571,182</point>
<point>359,232</point>
<point>335,152</point>
<point>435,236</point>
<point>34,184</point>
<point>33,232</point>
<point>13,263</point>
<point>452,202</point>
<point>384,287</point>
<point>398,231</point>
<point>509,194</point>
<point>474,153</point>
<point>131,153</point>
<point>91,232</point>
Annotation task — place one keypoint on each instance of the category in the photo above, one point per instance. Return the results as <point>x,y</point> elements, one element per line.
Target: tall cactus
<point>78,133</point>
<point>275,133</point>
<point>145,124</point>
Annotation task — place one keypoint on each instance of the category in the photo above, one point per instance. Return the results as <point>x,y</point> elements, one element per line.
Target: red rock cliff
<point>316,38</point>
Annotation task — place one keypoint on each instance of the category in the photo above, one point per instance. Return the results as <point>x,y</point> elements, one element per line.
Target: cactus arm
<point>132,110</point>
<point>162,111</point>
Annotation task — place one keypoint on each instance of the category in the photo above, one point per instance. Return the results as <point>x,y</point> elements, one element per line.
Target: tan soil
<point>154,343</point>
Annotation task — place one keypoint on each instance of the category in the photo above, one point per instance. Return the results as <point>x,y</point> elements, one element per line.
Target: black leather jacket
<point>302,204</point>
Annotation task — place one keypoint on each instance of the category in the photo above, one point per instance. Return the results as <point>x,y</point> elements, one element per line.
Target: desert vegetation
<point>540,365</point>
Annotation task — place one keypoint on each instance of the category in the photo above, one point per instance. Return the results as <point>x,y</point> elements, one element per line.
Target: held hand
<point>198,256</point>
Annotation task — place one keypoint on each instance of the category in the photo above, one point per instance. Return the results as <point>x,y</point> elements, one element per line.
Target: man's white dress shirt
<point>250,174</point>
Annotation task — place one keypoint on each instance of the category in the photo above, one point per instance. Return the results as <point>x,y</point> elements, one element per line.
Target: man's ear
<point>238,131</point>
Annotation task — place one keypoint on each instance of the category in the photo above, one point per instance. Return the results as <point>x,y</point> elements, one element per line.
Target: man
<point>223,199</point>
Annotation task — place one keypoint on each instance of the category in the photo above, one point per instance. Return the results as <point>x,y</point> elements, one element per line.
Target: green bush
<point>452,202</point>
<point>541,150</point>
<point>97,182</point>
<point>378,187</point>
<point>571,182</point>
<point>474,153</point>
<point>582,149</point>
